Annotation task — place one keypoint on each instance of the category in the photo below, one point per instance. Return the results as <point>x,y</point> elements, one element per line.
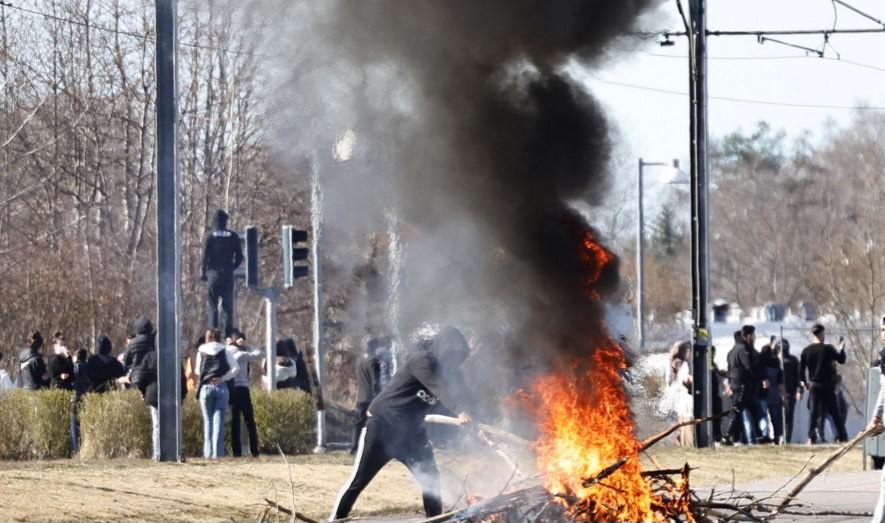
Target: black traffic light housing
<point>295,255</point>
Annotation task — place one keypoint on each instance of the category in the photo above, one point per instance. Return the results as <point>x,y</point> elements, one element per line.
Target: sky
<point>654,125</point>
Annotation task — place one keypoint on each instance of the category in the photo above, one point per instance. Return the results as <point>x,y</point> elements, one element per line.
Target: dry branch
<point>815,471</point>
<point>289,512</point>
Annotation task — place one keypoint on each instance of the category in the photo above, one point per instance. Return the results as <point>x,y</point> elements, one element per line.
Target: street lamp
<point>675,175</point>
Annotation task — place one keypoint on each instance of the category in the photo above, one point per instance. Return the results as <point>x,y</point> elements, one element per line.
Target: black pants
<point>822,401</point>
<point>221,288</point>
<point>362,415</point>
<point>789,411</point>
<point>380,443</point>
<point>241,402</point>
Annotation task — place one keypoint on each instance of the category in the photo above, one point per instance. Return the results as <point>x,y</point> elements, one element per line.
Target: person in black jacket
<point>368,382</point>
<point>428,377</point>
<point>222,254</point>
<point>792,386</point>
<point>61,367</point>
<point>148,386</point>
<point>743,382</point>
<point>818,373</point>
<point>104,368</point>
<point>81,385</point>
<point>33,373</point>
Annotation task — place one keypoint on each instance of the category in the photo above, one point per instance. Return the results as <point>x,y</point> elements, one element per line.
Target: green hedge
<point>35,425</point>
<point>117,424</point>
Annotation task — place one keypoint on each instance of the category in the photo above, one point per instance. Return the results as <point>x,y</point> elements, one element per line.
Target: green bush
<point>35,424</point>
<point>118,424</point>
<point>114,425</point>
<point>286,418</point>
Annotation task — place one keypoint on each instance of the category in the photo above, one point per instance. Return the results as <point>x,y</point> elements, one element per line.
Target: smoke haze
<point>459,117</point>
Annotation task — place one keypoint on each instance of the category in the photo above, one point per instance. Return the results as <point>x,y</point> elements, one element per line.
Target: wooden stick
<point>815,471</point>
<point>646,444</point>
<point>288,512</point>
<point>439,419</point>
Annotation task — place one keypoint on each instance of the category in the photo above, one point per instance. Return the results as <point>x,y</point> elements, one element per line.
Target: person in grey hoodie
<point>215,366</point>
<point>33,373</point>
<point>240,397</point>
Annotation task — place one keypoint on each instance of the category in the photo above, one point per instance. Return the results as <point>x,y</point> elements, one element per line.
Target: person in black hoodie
<point>148,386</point>
<point>743,378</point>
<point>33,373</point>
<point>61,368</point>
<point>143,372</point>
<point>428,377</point>
<point>81,385</point>
<point>222,254</point>
<point>792,386</point>
<point>818,373</point>
<point>104,368</point>
<point>368,381</point>
<point>301,380</point>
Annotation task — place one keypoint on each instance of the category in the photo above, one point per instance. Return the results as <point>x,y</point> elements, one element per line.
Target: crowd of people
<point>220,377</point>
<point>761,388</point>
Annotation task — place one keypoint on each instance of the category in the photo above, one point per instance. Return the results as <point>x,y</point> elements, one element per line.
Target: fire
<point>586,426</point>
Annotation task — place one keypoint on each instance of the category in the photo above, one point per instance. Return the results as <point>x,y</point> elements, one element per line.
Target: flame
<point>586,425</point>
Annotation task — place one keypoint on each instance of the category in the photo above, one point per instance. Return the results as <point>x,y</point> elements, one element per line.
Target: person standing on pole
<point>818,372</point>
<point>222,254</point>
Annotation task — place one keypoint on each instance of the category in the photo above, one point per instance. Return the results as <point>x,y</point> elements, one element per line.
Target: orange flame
<point>586,425</point>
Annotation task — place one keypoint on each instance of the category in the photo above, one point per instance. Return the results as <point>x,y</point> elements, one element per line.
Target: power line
<point>783,57</point>
<point>739,100</point>
<point>785,32</point>
<point>140,36</point>
<point>858,11</point>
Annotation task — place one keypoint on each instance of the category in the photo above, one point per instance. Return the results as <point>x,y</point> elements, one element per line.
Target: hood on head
<point>450,346</point>
<point>291,348</point>
<point>35,341</point>
<point>144,326</point>
<point>219,221</point>
<point>103,344</point>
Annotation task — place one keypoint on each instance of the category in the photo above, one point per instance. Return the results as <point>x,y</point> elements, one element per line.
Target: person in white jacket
<point>876,424</point>
<point>215,366</point>
<point>6,382</point>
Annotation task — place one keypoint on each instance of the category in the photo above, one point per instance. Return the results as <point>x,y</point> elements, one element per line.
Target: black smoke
<point>471,130</point>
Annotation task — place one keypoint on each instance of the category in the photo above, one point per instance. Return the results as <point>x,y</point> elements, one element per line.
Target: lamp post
<point>676,176</point>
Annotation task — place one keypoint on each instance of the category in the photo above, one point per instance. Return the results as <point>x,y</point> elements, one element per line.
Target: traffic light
<point>250,252</point>
<point>294,255</point>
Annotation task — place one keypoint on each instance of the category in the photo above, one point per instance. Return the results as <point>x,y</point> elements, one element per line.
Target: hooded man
<point>139,347</point>
<point>222,254</point>
<point>427,379</point>
<point>368,381</point>
<point>792,386</point>
<point>743,381</point>
<point>103,367</point>
<point>32,369</point>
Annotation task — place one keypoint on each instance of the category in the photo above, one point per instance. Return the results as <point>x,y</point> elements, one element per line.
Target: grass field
<point>233,490</point>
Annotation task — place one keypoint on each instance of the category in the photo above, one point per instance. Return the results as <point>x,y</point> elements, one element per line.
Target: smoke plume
<point>460,118</point>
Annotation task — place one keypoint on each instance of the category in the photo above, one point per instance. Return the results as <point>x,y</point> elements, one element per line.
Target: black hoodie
<point>743,368</point>
<point>139,347</point>
<point>222,251</point>
<point>427,378</point>
<point>103,367</point>
<point>32,368</point>
<point>61,364</point>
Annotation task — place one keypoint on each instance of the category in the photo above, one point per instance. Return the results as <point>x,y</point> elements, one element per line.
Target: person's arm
<point>426,370</point>
<point>198,365</point>
<point>840,356</point>
<point>876,420</point>
<point>238,251</point>
<point>232,363</point>
<point>803,370</point>
<point>254,353</point>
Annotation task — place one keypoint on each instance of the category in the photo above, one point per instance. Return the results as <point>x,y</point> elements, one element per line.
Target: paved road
<point>845,492</point>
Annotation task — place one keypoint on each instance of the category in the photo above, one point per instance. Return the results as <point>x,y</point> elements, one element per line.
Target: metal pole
<point>319,352</point>
<point>640,264</point>
<point>699,221</point>
<point>270,335</point>
<point>168,238</point>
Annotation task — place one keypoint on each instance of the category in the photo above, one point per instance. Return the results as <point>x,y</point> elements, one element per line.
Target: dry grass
<point>140,490</point>
<point>745,464</point>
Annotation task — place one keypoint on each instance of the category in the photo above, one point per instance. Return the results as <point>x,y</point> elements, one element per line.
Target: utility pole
<point>640,263</point>
<point>318,350</point>
<point>700,271</point>
<point>168,237</point>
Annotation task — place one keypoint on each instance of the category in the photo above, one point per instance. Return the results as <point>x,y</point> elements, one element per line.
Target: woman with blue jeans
<point>215,365</point>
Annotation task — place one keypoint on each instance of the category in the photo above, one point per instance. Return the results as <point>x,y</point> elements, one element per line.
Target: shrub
<point>191,427</point>
<point>36,424</point>
<point>286,418</point>
<point>115,424</point>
